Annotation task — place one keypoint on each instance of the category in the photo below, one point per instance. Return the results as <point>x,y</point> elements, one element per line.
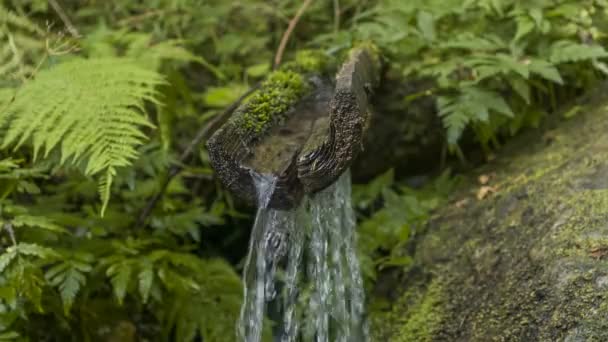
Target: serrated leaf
<point>146,279</point>
<point>546,70</point>
<point>36,250</point>
<point>91,110</point>
<point>568,51</point>
<point>72,282</point>
<point>120,277</point>
<point>7,257</point>
<point>37,221</point>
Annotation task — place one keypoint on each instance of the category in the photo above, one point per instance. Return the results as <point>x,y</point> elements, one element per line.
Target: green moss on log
<point>281,90</point>
<point>529,263</point>
<point>372,50</point>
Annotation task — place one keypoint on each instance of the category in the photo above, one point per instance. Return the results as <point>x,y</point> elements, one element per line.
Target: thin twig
<point>64,17</point>
<point>292,24</point>
<point>203,134</point>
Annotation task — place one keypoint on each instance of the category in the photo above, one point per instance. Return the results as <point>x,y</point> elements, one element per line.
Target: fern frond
<point>69,277</point>
<point>565,51</point>
<point>91,109</point>
<point>20,38</point>
<point>38,222</point>
<point>120,277</point>
<point>469,41</point>
<point>211,309</point>
<point>471,105</point>
<point>25,249</point>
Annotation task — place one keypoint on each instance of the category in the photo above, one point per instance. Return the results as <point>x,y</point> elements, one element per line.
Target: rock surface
<point>527,263</point>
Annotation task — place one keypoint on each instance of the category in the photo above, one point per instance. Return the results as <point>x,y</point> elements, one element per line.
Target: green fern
<point>471,105</point>
<point>69,277</point>
<point>565,51</point>
<point>91,109</point>
<point>20,40</point>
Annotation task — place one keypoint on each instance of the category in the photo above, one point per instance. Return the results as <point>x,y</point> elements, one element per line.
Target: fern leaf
<point>120,277</point>
<point>69,277</point>
<point>38,222</point>
<point>469,41</point>
<point>7,257</point>
<point>209,310</point>
<point>146,279</point>
<point>92,110</point>
<point>20,38</point>
<point>69,280</point>
<point>36,250</point>
<point>72,282</point>
<point>546,70</point>
<point>565,51</point>
<point>471,105</point>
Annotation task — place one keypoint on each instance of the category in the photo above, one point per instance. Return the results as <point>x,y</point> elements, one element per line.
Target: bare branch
<point>292,24</point>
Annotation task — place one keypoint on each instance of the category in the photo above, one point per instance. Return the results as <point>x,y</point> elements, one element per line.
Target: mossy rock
<point>527,263</point>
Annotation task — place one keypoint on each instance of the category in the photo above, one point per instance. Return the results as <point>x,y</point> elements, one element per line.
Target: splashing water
<point>302,271</point>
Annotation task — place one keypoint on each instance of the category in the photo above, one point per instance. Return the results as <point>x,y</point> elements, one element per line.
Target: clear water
<point>302,276</point>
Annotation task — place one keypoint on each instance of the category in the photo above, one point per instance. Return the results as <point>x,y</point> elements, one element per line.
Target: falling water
<point>302,276</point>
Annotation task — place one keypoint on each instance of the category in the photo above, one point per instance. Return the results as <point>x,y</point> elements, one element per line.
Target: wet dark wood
<point>311,148</point>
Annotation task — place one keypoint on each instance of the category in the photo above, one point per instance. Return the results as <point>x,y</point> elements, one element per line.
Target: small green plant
<point>390,215</point>
<point>494,66</point>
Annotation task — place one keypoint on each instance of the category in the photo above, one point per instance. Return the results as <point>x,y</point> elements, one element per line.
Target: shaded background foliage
<point>99,98</point>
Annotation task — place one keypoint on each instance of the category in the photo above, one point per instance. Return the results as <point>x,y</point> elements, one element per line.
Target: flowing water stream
<point>302,276</point>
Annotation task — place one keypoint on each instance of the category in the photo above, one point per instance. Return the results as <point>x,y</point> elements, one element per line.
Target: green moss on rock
<point>528,264</point>
<point>425,318</point>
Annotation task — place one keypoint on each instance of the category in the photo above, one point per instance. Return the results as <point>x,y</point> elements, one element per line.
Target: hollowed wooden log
<point>312,143</point>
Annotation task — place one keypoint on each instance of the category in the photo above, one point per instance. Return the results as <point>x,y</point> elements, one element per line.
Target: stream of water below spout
<point>302,276</point>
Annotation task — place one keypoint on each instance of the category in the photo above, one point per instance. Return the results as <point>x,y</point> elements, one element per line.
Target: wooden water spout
<point>301,127</point>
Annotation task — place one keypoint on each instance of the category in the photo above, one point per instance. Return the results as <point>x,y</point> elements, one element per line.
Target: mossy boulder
<point>527,263</point>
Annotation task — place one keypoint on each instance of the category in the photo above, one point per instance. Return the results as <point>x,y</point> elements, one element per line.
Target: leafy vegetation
<point>496,65</point>
<point>98,99</point>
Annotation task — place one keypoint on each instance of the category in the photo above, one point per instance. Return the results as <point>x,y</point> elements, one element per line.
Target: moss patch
<point>426,316</point>
<point>372,50</point>
<point>280,91</point>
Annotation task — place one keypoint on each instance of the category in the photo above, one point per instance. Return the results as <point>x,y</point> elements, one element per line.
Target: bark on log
<point>529,263</point>
<point>313,143</point>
